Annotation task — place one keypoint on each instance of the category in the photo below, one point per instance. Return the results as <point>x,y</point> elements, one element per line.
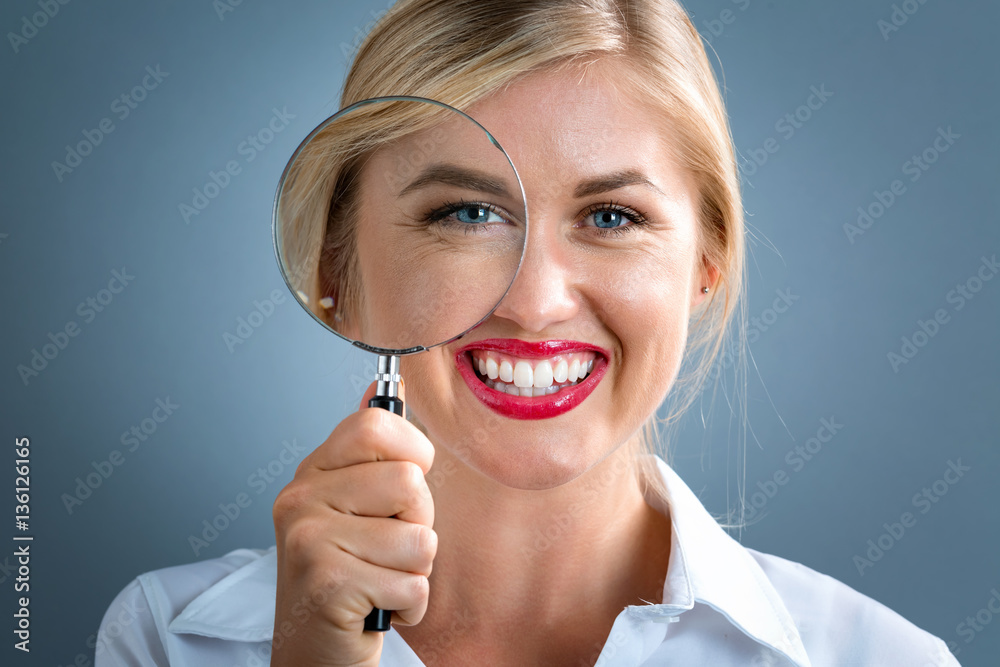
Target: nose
<point>544,291</point>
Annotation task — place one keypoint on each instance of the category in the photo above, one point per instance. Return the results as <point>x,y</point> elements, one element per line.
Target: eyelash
<point>637,218</point>
<point>441,214</point>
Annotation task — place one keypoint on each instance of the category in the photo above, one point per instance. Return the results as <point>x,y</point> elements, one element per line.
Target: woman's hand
<point>340,552</point>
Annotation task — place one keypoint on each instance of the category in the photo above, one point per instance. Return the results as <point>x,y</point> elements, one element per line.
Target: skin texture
<point>541,533</point>
<point>426,283</point>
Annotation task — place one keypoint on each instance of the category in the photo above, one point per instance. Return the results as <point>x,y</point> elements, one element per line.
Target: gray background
<point>163,335</point>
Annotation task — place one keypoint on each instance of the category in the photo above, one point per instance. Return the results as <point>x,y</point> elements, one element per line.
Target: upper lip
<point>530,349</point>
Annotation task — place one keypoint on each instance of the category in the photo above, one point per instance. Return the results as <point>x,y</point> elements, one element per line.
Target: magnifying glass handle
<point>387,398</point>
<point>387,403</point>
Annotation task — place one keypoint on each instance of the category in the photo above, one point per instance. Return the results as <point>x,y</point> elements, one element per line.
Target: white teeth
<point>523,375</point>
<point>561,371</point>
<point>529,378</point>
<point>543,375</point>
<point>514,390</point>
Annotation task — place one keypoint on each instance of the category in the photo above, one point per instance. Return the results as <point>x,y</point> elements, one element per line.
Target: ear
<point>706,276</point>
<point>346,326</point>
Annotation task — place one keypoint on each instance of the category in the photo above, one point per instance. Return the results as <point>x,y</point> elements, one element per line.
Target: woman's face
<point>611,271</point>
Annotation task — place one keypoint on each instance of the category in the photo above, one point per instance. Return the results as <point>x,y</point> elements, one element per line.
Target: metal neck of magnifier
<point>387,376</point>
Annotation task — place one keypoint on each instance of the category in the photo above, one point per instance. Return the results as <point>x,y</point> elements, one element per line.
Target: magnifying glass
<point>399,224</point>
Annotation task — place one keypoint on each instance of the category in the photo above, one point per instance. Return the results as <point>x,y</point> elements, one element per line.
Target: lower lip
<point>529,407</point>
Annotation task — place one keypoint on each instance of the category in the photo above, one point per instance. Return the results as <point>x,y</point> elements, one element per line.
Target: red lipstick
<point>531,407</point>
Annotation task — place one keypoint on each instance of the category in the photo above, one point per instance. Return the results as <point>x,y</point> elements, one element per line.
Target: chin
<point>529,464</point>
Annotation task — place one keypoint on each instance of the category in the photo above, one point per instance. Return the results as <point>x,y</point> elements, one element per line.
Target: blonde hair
<point>459,51</point>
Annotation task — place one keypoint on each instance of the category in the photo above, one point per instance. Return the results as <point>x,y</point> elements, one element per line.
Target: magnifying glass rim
<point>281,185</point>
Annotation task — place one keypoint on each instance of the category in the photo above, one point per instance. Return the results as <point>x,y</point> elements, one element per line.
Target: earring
<point>704,290</point>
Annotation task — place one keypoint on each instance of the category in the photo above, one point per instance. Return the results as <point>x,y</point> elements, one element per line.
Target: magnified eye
<point>609,219</point>
<point>468,216</point>
<point>475,214</point>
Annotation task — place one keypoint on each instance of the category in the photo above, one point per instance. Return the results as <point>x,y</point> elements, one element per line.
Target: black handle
<point>390,403</point>
<point>378,619</point>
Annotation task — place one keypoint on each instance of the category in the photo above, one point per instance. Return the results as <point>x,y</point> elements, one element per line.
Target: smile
<point>523,380</point>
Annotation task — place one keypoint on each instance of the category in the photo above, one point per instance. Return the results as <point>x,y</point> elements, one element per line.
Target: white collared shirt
<point>723,604</point>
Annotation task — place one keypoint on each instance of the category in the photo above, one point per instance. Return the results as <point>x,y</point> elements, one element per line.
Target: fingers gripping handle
<point>387,398</point>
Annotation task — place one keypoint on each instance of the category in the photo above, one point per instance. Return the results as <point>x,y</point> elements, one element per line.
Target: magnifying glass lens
<point>400,223</point>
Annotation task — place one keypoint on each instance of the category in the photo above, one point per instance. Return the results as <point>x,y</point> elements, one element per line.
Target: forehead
<point>564,126</point>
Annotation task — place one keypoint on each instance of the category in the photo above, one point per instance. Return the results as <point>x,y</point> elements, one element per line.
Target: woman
<point>560,540</point>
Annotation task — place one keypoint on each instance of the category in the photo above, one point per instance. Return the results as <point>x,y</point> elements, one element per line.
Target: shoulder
<point>846,627</point>
<point>134,629</point>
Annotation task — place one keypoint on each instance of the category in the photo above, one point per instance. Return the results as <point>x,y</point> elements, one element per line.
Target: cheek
<point>416,294</point>
<point>428,388</point>
<point>647,307</point>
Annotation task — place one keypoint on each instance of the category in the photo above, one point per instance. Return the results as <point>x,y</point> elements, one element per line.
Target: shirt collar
<point>706,566</point>
<point>239,607</point>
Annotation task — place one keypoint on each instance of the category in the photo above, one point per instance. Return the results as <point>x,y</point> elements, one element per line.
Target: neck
<point>516,559</point>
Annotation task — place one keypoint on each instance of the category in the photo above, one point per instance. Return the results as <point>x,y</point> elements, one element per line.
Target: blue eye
<point>613,219</point>
<point>609,219</point>
<point>476,214</point>
<point>469,217</point>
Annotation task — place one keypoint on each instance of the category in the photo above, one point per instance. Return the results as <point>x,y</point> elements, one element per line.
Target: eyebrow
<point>613,181</point>
<point>458,176</point>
